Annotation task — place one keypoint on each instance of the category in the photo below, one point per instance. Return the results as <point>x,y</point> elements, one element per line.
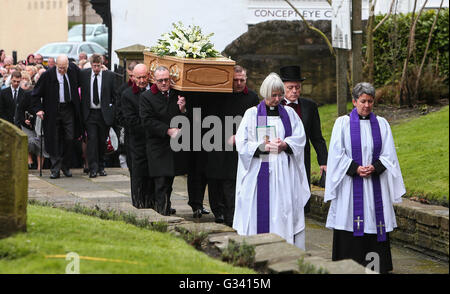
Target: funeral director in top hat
<point>309,114</point>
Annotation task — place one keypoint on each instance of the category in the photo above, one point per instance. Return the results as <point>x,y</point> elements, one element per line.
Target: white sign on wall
<point>257,14</point>
<point>340,24</point>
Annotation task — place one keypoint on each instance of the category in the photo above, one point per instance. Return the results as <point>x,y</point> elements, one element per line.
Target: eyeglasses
<point>160,81</point>
<point>278,95</point>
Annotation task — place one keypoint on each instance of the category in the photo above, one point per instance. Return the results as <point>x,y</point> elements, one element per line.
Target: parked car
<point>97,33</point>
<point>71,49</point>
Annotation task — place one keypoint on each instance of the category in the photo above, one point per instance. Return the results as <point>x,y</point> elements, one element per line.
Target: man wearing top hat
<point>309,114</point>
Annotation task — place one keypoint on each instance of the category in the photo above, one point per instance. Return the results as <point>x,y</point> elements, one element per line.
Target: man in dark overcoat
<point>98,96</point>
<point>222,165</point>
<point>157,108</point>
<point>142,187</point>
<point>60,111</point>
<point>309,114</point>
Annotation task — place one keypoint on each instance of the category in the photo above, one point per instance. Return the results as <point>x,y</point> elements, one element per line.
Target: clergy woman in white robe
<point>271,185</point>
<point>363,182</point>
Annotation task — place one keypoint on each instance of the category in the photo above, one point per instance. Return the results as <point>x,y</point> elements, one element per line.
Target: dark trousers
<point>196,179</point>
<point>221,198</point>
<point>142,186</point>
<point>163,190</point>
<point>61,159</point>
<point>97,132</point>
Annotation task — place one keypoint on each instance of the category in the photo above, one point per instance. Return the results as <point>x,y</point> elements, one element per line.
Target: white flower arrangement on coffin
<point>185,42</point>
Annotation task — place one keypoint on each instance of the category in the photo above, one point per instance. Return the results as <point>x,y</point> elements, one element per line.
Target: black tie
<point>66,90</point>
<point>96,99</point>
<point>15,96</point>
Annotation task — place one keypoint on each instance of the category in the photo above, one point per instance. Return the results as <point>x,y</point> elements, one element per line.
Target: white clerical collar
<point>272,107</point>
<point>287,101</point>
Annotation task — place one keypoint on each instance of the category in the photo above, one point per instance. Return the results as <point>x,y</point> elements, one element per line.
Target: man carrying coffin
<point>157,107</point>
<point>142,187</point>
<point>222,164</point>
<point>365,181</point>
<point>271,183</point>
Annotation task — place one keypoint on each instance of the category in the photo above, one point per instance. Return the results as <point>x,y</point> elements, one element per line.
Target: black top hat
<point>291,74</point>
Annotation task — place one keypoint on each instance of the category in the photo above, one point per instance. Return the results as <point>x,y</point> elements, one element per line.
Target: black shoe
<point>197,213</point>
<point>219,219</point>
<point>67,173</point>
<point>204,210</point>
<point>86,170</point>
<point>54,175</point>
<point>102,173</point>
<point>173,211</point>
<point>92,174</point>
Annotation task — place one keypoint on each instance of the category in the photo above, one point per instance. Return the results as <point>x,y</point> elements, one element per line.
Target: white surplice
<point>339,186</point>
<point>288,184</point>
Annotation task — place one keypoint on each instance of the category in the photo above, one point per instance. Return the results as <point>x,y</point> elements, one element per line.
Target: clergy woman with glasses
<point>271,185</point>
<point>364,182</point>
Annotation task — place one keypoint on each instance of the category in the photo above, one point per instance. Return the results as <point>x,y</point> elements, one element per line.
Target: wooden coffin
<point>195,75</point>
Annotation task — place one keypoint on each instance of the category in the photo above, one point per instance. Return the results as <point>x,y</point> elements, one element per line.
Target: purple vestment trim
<point>263,204</point>
<point>358,202</point>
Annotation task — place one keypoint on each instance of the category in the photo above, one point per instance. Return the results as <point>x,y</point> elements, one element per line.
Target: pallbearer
<point>142,188</point>
<point>364,181</point>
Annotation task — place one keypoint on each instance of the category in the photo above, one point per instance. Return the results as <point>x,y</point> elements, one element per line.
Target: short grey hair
<point>271,83</point>
<point>363,88</point>
<point>161,68</point>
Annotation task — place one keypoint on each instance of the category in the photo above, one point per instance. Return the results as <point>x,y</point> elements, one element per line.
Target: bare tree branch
<point>385,18</point>
<point>409,49</point>
<point>330,47</point>
<point>419,74</point>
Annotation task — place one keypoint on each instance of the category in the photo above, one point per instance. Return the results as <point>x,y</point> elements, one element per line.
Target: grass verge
<point>104,247</point>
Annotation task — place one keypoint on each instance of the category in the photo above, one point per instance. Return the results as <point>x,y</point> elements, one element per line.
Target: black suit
<point>142,187</point>
<point>309,114</point>
<point>222,165</point>
<point>97,121</point>
<point>9,106</point>
<point>156,112</point>
<point>62,120</point>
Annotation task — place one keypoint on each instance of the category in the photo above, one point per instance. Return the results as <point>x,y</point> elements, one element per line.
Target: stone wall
<point>270,45</point>
<point>13,179</point>
<point>421,227</point>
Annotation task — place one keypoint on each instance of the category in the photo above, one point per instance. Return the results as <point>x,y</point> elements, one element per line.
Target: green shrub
<point>239,255</point>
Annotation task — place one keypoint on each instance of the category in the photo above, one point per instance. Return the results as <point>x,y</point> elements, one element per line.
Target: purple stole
<point>358,193</point>
<point>263,211</point>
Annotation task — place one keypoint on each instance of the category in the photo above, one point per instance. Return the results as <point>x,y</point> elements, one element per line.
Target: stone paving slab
<point>272,253</point>
<point>221,242</point>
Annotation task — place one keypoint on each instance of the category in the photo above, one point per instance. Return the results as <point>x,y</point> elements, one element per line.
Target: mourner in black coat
<point>157,108</point>
<point>222,165</point>
<point>309,114</point>
<point>10,99</point>
<point>98,95</point>
<point>142,187</point>
<point>60,111</point>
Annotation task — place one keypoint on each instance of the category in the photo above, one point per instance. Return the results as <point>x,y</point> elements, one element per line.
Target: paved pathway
<point>114,190</point>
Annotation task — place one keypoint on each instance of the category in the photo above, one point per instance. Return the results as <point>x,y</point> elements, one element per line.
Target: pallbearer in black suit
<point>157,108</point>
<point>98,96</point>
<point>10,98</point>
<point>142,187</point>
<point>222,165</point>
<point>60,111</point>
<point>309,114</point>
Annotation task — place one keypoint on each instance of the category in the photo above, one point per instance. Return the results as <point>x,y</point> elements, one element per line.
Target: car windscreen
<point>78,31</point>
<point>56,49</point>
